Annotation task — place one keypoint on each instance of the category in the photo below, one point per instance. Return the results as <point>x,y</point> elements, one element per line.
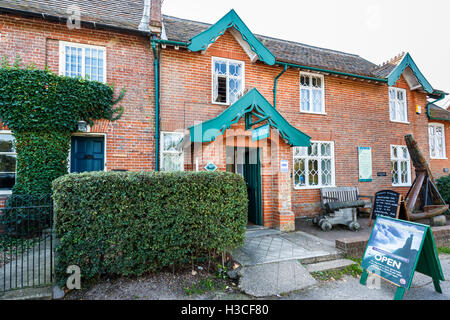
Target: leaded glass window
<point>172,156</point>
<point>400,166</point>
<point>312,93</point>
<point>228,80</point>
<point>437,141</point>
<point>314,166</point>
<point>398,106</point>
<point>8,159</point>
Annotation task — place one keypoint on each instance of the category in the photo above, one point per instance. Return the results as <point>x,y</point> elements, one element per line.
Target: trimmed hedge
<point>133,223</point>
<point>443,185</point>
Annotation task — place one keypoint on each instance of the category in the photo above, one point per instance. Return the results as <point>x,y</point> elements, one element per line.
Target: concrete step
<point>274,279</point>
<point>321,258</point>
<point>330,265</point>
<point>44,293</point>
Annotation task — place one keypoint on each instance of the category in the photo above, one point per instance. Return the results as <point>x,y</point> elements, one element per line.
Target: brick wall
<point>129,61</point>
<point>357,113</point>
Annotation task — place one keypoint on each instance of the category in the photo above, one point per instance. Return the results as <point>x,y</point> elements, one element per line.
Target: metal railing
<point>26,242</point>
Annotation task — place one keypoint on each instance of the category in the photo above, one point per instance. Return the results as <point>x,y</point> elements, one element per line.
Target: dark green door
<point>87,154</point>
<point>252,176</point>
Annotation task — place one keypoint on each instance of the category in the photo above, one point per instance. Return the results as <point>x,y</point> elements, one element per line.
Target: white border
<point>4,192</point>
<point>437,124</point>
<point>333,168</point>
<point>62,57</point>
<point>409,184</point>
<point>317,75</point>
<point>181,134</point>
<point>406,105</point>
<point>213,59</point>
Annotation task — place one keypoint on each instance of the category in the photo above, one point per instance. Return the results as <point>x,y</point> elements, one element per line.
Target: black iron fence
<point>26,242</point>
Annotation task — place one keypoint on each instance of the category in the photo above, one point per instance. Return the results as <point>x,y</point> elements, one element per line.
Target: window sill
<point>401,122</point>
<point>439,158</point>
<point>221,104</point>
<point>5,193</point>
<point>313,188</point>
<point>402,186</point>
<point>315,113</point>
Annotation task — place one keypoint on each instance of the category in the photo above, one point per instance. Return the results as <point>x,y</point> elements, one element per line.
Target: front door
<point>87,154</point>
<point>247,162</point>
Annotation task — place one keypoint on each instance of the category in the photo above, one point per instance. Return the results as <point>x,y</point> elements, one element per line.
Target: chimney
<point>156,17</point>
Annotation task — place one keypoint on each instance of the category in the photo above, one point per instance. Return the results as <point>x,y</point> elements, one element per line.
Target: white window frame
<point>213,75</point>
<point>444,155</point>
<point>162,151</point>
<point>8,132</point>
<point>310,88</point>
<point>319,158</point>
<point>399,160</point>
<point>62,57</point>
<point>396,103</point>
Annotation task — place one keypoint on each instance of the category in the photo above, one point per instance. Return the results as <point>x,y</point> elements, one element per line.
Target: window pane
<point>326,172</point>
<point>7,163</point>
<point>220,67</point>
<point>313,150</point>
<point>305,100</point>
<point>325,149</point>
<point>172,162</point>
<point>394,172</point>
<point>6,143</point>
<point>304,80</point>
<point>236,69</point>
<point>235,89</point>
<point>317,100</point>
<point>404,172</point>
<point>221,89</point>
<point>313,176</point>
<point>299,172</point>
<point>173,142</point>
<point>7,181</point>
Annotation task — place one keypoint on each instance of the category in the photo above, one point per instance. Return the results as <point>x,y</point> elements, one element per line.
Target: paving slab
<point>274,279</point>
<point>263,248</point>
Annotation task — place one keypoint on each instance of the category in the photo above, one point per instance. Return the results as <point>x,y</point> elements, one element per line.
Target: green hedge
<point>133,223</point>
<point>443,185</point>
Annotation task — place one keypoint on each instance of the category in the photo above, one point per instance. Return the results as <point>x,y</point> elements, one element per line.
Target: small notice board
<point>390,204</point>
<point>365,164</point>
<point>397,249</point>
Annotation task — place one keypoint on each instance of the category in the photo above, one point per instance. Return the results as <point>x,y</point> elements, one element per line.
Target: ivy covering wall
<point>42,110</point>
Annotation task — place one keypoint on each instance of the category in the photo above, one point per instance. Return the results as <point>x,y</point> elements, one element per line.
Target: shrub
<point>133,223</point>
<point>443,185</point>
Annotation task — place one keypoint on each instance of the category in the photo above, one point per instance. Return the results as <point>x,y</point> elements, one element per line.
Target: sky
<point>376,30</point>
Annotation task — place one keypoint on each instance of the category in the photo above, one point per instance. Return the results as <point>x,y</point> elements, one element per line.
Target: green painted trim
<point>231,20</point>
<point>398,71</point>
<point>429,111</point>
<point>275,85</point>
<point>253,101</point>
<point>331,71</point>
<point>171,43</point>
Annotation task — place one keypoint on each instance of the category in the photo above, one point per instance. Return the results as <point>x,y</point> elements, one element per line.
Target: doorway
<point>87,154</point>
<point>247,162</point>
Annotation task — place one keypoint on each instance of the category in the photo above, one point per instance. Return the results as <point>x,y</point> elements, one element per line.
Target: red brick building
<point>288,116</point>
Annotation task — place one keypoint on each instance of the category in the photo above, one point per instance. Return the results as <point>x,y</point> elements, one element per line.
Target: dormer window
<point>398,105</point>
<point>228,80</point>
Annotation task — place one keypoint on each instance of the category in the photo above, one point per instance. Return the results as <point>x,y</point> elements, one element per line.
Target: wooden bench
<point>340,206</point>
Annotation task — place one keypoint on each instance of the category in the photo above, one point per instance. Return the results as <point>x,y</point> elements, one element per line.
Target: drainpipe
<point>157,111</point>
<point>276,84</point>
<point>429,111</point>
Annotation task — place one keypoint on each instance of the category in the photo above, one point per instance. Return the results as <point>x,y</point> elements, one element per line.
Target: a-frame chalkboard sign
<point>388,203</point>
<point>409,248</point>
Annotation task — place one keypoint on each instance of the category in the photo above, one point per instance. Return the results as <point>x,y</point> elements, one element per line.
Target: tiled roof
<point>115,13</point>
<point>286,51</point>
<point>127,14</point>
<point>439,113</point>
